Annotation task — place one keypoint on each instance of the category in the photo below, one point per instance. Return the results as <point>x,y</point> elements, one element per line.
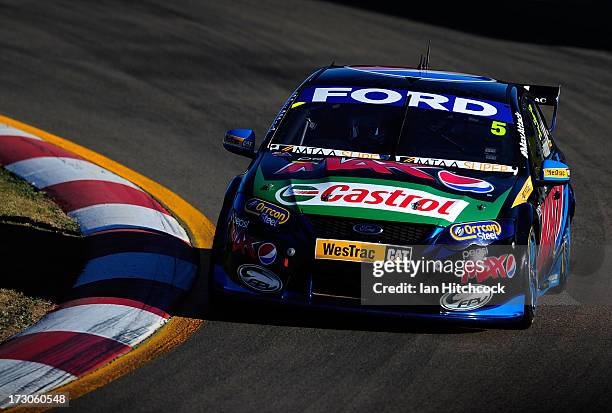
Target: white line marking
<point>46,171</point>
<point>28,377</point>
<point>127,325</point>
<point>103,217</point>
<point>6,130</point>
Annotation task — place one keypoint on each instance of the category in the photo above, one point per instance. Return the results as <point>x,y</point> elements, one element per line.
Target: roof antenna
<point>424,62</point>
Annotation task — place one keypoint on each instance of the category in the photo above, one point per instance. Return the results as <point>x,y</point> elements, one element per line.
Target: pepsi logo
<point>464,183</point>
<point>266,253</point>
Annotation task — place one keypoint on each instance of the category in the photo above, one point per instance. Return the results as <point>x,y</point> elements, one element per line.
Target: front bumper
<point>510,311</point>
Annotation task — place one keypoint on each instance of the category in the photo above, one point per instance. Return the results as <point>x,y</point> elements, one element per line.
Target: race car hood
<point>380,189</point>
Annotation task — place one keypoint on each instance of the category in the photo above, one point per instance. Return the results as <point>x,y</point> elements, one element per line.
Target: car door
<point>550,199</point>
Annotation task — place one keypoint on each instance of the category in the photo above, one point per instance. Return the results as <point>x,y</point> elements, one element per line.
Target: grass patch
<point>18,311</point>
<point>22,203</point>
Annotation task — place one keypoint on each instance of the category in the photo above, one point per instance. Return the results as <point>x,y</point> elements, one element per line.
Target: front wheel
<point>531,282</point>
<point>565,263</point>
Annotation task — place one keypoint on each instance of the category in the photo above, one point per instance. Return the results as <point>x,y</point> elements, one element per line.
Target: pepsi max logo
<point>240,222</point>
<point>266,253</point>
<point>495,267</point>
<point>464,183</point>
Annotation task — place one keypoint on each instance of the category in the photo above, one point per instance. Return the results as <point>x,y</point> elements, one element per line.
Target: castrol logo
<point>377,197</point>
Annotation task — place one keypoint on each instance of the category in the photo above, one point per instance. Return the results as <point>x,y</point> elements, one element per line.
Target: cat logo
<point>357,251</point>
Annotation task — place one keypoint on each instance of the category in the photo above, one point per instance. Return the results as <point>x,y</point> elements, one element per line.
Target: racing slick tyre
<point>211,299</point>
<point>531,283</point>
<point>214,298</point>
<point>565,264</point>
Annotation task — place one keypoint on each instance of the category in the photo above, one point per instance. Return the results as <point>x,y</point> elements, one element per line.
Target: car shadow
<point>39,262</point>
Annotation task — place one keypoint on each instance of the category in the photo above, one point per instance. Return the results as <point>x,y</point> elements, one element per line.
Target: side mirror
<point>240,141</point>
<point>554,172</point>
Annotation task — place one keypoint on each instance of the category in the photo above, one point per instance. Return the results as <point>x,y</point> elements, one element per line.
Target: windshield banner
<point>397,97</point>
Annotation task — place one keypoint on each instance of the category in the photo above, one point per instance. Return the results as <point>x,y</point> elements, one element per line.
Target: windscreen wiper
<point>448,139</point>
<point>309,124</point>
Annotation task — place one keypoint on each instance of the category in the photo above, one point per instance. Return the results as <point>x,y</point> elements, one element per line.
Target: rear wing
<point>546,95</point>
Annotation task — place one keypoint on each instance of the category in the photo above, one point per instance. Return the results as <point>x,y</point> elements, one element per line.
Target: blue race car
<point>366,164</point>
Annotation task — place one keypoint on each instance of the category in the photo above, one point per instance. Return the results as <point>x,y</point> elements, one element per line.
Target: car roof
<point>432,81</point>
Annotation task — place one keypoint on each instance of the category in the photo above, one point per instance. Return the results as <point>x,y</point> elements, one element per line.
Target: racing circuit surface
<point>155,86</point>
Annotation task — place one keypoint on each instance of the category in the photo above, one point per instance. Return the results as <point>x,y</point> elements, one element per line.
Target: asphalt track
<point>154,85</point>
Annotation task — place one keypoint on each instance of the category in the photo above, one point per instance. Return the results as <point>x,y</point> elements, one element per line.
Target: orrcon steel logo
<point>379,197</point>
<point>479,231</point>
<point>269,213</point>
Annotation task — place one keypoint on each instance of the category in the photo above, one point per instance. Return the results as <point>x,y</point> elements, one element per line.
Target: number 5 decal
<point>498,128</point>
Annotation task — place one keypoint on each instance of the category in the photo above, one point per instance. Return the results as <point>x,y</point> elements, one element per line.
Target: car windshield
<point>448,135</point>
<point>371,128</point>
<point>346,127</point>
